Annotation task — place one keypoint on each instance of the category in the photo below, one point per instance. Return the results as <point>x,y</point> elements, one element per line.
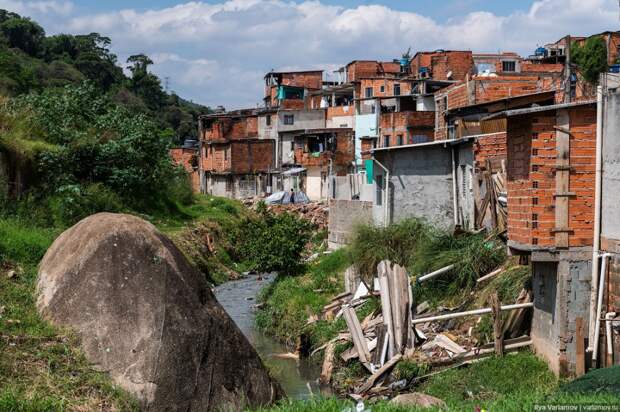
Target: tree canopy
<point>591,58</point>
<point>30,61</point>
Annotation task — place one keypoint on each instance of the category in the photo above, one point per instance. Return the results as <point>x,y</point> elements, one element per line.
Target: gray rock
<point>418,399</point>
<point>148,318</point>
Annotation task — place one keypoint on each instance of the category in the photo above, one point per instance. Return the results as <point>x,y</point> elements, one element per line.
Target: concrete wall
<point>425,103</point>
<point>610,218</point>
<point>561,286</point>
<point>237,186</point>
<point>341,121</point>
<point>268,132</point>
<point>344,216</point>
<point>465,186</point>
<point>303,119</point>
<point>314,183</point>
<point>420,184</point>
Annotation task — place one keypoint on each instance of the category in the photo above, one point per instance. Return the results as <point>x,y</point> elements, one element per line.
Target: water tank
<point>541,52</point>
<point>404,61</point>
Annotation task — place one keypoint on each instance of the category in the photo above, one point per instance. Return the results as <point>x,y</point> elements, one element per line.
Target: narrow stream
<point>238,297</point>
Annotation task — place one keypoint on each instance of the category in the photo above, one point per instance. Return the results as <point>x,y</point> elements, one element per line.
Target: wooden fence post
<point>498,330</point>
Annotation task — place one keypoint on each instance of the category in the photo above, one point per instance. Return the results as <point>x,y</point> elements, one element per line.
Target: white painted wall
<point>313,183</point>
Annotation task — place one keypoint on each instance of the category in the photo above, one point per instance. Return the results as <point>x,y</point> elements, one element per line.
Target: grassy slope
<point>511,384</point>
<point>41,366</point>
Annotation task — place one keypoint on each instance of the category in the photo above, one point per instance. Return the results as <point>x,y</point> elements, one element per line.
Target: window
<point>382,89</point>
<point>509,66</point>
<point>225,154</point>
<point>369,92</point>
<point>399,140</point>
<point>289,119</point>
<point>386,141</point>
<point>379,190</point>
<point>268,120</point>
<point>397,89</point>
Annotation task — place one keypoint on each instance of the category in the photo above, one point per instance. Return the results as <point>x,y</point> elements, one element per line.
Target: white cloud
<point>28,8</point>
<point>217,53</point>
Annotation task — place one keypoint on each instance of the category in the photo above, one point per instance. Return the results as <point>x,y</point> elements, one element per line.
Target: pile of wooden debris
<point>402,330</point>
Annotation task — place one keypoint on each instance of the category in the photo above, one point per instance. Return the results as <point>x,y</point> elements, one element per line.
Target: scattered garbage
<point>399,331</point>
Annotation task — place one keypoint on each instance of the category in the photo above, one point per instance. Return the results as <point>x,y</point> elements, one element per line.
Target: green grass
<point>41,367</point>
<point>291,300</point>
<point>422,248</point>
<point>212,217</point>
<point>513,383</point>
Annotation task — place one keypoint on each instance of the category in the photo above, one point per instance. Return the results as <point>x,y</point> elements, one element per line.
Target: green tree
<point>23,34</point>
<point>590,58</point>
<point>145,84</point>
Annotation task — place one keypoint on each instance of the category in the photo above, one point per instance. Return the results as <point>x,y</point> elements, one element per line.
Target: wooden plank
<point>580,358</point>
<point>492,195</point>
<point>516,317</point>
<point>370,382</point>
<point>383,269</point>
<point>396,306</point>
<point>381,336</point>
<point>498,331</point>
<point>328,364</point>
<point>352,279</point>
<point>562,178</point>
<point>359,342</point>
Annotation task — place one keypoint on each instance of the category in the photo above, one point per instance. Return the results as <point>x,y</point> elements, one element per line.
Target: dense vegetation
<point>30,61</point>
<point>591,57</point>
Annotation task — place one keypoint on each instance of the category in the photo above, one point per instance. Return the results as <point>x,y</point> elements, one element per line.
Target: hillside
<point>30,61</point>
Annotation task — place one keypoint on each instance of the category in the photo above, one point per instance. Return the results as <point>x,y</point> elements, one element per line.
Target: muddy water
<point>297,377</point>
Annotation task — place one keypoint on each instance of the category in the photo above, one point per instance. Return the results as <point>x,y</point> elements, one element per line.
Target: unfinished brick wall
<point>232,127</point>
<point>216,158</point>
<point>531,164</point>
<point>339,111</point>
<point>490,147</point>
<point>366,146</point>
<point>308,80</point>
<point>370,68</point>
<point>252,156</point>
<point>342,157</point>
<point>441,63</point>
<point>481,89</point>
<point>528,67</point>
<point>384,86</point>
<point>406,124</point>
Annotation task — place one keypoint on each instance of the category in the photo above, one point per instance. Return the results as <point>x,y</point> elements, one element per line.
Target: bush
<point>421,248</point>
<point>271,242</point>
<point>72,203</point>
<point>591,58</point>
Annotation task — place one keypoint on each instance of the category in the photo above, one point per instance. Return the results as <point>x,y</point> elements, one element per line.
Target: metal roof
<point>419,145</point>
<point>537,109</point>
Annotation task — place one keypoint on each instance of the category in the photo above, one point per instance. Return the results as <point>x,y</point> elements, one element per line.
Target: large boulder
<point>147,317</point>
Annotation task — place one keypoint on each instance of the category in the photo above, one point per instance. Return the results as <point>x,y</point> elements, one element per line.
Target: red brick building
<point>406,127</point>
<point>288,90</point>
<point>481,89</point>
<point>442,65</point>
<point>235,162</point>
<point>550,185</point>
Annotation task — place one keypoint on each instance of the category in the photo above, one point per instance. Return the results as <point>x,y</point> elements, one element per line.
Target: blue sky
<point>217,51</point>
